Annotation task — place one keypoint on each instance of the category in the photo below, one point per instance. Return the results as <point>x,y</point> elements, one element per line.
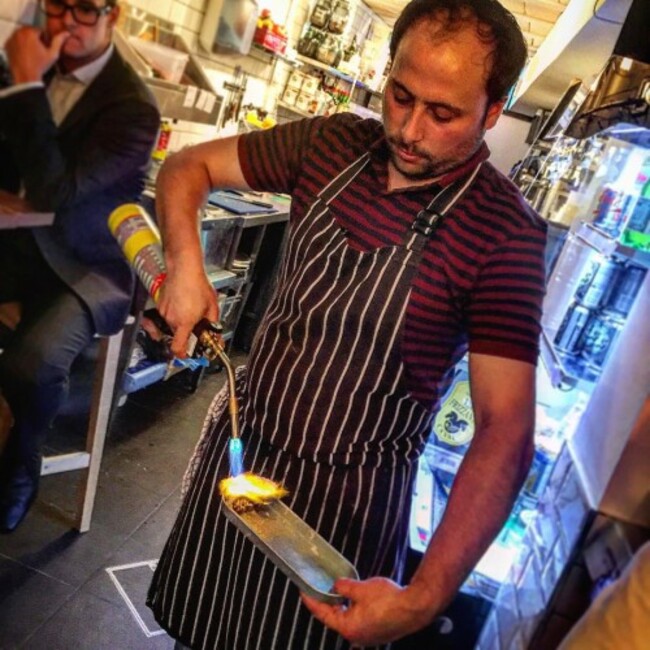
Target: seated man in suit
<point>77,127</point>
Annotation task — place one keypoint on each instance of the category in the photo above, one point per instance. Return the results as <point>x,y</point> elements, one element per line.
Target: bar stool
<point>107,372</point>
<point>89,460</point>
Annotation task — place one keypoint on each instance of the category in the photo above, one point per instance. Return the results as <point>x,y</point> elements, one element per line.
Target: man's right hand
<point>29,56</point>
<point>186,298</point>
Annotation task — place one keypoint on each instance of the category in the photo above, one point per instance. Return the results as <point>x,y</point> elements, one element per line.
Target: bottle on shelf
<point>161,149</point>
<point>338,19</point>
<point>613,209</point>
<point>624,207</point>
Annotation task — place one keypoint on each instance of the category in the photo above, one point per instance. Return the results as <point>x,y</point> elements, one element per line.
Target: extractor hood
<point>193,98</point>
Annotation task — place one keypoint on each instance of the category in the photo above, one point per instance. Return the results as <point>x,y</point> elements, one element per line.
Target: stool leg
<point>100,410</point>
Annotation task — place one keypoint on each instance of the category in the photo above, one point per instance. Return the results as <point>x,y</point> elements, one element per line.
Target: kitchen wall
<point>507,141</point>
<point>13,13</point>
<point>265,75</point>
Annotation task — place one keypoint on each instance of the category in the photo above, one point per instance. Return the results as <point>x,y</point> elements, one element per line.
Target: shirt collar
<point>379,157</point>
<point>86,74</point>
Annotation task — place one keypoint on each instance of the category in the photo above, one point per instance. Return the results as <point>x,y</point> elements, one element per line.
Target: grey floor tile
<point>27,600</point>
<point>122,505</point>
<point>154,531</point>
<point>156,459</point>
<point>71,557</point>
<point>89,623</point>
<point>144,545</point>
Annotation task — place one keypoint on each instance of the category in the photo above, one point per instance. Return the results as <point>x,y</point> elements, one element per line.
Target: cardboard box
<point>296,80</point>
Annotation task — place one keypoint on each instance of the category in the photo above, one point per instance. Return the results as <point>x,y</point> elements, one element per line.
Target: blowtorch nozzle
<point>235,452</point>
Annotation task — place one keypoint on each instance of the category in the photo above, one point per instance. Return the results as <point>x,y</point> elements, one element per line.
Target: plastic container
<point>169,63</point>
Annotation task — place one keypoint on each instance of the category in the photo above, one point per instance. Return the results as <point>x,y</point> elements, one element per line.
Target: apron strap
<point>338,183</point>
<point>428,219</point>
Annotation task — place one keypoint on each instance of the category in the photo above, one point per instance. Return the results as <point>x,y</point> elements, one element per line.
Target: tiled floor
<point>55,590</point>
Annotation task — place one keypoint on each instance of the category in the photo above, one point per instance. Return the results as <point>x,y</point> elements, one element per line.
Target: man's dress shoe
<point>18,495</point>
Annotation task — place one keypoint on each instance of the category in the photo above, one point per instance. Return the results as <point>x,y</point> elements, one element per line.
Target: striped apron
<point>327,413</point>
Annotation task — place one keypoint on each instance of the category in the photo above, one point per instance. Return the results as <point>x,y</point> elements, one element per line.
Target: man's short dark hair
<point>496,26</point>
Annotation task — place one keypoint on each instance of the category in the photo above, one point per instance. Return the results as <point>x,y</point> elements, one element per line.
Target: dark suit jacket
<point>95,161</point>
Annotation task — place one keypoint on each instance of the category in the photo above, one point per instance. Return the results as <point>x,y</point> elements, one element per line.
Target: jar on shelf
<point>329,51</point>
<point>339,17</point>
<point>321,13</point>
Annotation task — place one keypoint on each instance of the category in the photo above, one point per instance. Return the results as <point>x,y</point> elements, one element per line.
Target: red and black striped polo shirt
<point>481,280</point>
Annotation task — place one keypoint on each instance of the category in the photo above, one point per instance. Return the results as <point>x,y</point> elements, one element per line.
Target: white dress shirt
<point>65,90</point>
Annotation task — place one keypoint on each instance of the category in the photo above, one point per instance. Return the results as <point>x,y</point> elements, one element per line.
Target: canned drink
<point>574,264</point>
<point>640,217</point>
<point>599,338</point>
<point>612,209</point>
<point>591,294</point>
<point>605,206</point>
<point>539,473</point>
<point>624,291</point>
<point>569,336</point>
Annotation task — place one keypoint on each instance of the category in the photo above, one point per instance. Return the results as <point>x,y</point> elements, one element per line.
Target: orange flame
<point>258,490</point>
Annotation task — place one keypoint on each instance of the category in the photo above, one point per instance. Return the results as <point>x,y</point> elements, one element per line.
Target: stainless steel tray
<point>295,548</point>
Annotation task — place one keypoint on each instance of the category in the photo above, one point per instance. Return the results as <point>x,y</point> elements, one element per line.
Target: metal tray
<point>295,548</point>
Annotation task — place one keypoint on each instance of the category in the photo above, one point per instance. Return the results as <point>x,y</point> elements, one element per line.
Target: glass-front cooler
<point>595,194</point>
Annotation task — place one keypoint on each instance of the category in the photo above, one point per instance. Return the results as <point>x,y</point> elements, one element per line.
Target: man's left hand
<point>379,611</point>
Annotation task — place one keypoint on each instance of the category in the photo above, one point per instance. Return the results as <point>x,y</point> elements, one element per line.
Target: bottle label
<point>454,424</point>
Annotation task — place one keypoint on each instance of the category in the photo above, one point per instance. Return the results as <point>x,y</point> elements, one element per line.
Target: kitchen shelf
<point>314,63</point>
<point>606,245</point>
<point>151,372</point>
<point>225,236</point>
<point>565,372</point>
<point>220,278</point>
<point>258,51</point>
<point>642,258</point>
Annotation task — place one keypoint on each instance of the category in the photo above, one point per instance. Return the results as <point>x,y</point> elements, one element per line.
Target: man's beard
<point>431,166</point>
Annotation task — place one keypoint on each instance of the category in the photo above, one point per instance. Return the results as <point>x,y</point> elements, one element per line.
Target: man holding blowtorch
<point>406,249</point>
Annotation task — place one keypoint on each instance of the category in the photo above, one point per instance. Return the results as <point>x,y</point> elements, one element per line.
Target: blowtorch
<point>139,238</point>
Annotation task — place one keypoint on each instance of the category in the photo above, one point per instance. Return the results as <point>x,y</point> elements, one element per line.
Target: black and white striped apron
<point>326,412</point>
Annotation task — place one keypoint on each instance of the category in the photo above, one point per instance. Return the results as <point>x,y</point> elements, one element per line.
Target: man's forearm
<point>480,501</point>
<point>181,191</point>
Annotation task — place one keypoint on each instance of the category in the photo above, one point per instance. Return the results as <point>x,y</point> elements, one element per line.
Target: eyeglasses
<point>84,13</point>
